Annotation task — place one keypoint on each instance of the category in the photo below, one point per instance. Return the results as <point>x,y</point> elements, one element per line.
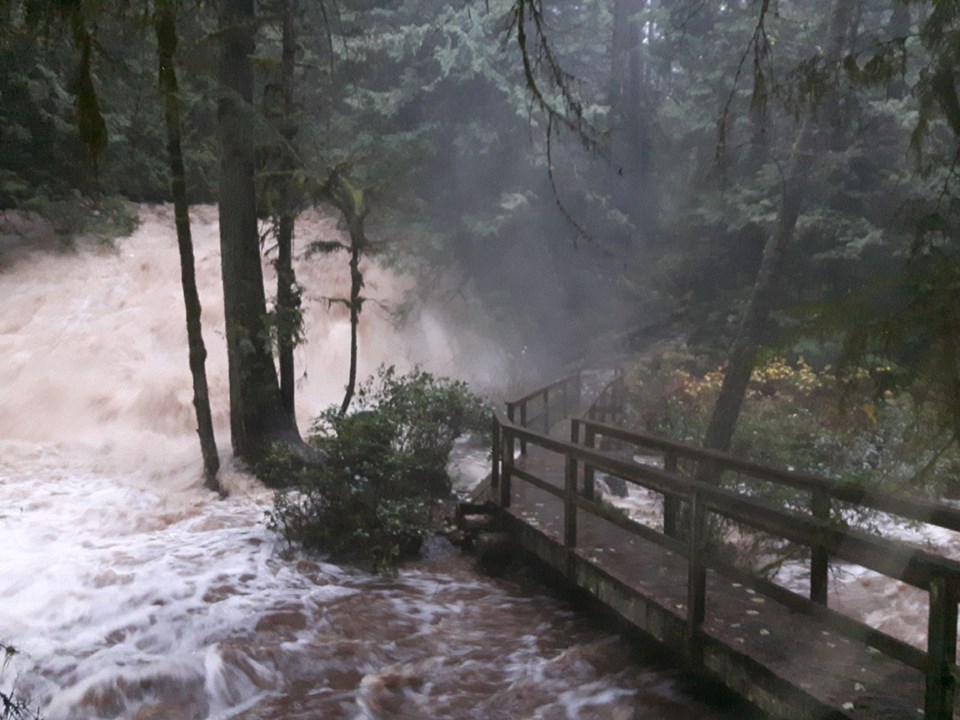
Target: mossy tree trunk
<point>352,206</point>
<point>257,414</point>
<point>746,345</point>
<point>356,304</point>
<point>350,202</point>
<point>632,111</point>
<point>288,297</point>
<point>165,25</point>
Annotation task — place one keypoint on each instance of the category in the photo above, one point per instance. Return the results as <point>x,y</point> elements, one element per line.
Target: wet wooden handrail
<point>938,576</point>
<point>541,407</point>
<point>854,493</point>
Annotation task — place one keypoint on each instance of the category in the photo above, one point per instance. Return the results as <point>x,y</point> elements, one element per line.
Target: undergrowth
<point>371,503</point>
<point>840,425</point>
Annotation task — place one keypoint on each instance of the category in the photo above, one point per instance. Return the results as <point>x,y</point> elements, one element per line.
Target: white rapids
<point>131,592</point>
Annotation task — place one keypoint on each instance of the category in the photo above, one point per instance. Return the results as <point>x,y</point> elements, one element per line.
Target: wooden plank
<point>843,624</point>
<point>941,650</point>
<point>570,503</point>
<point>546,388</point>
<point>696,582</point>
<point>618,518</point>
<point>589,474</point>
<point>671,503</point>
<point>495,455</point>
<point>537,482</point>
<point>819,557</point>
<point>737,670</point>
<point>893,559</point>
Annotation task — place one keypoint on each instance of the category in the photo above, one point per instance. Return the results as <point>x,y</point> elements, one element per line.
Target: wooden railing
<point>685,533</point>
<point>610,402</point>
<point>548,405</point>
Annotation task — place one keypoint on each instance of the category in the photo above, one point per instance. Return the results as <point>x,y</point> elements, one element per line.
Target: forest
<point>750,206</point>
<point>753,180</point>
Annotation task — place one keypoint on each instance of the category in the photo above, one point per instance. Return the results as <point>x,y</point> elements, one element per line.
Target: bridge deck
<point>787,663</point>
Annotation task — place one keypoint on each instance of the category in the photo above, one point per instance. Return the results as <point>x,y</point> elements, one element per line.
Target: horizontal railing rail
<point>547,405</point>
<point>854,493</point>
<point>610,402</point>
<point>938,576</point>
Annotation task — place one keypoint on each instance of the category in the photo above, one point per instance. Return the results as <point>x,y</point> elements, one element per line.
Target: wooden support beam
<point>819,557</point>
<point>671,503</point>
<point>941,649</point>
<point>696,583</point>
<point>570,503</point>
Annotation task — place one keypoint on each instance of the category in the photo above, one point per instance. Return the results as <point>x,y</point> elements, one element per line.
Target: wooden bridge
<point>790,654</point>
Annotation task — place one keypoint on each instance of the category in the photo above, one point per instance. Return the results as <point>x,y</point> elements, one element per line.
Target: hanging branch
<point>537,57</point>
<point>760,46</point>
<point>541,57</point>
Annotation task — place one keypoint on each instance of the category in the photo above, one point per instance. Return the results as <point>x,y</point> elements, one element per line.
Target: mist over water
<point>131,592</point>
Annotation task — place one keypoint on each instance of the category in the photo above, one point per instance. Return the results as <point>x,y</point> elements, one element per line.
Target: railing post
<point>523,424</point>
<point>589,474</point>
<point>941,649</point>
<point>570,502</point>
<point>619,396</point>
<point>546,412</point>
<point>496,454</point>
<point>506,471</point>
<point>819,557</point>
<point>671,503</point>
<point>696,582</point>
<point>578,392</point>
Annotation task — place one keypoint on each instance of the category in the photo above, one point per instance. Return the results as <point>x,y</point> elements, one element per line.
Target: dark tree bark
<point>743,353</point>
<point>166,31</point>
<point>349,201</point>
<point>257,416</point>
<point>632,120</point>
<point>356,304</point>
<point>288,298</point>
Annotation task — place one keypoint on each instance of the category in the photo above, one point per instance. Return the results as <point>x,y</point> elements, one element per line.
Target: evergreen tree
<point>258,418</point>
<point>165,24</point>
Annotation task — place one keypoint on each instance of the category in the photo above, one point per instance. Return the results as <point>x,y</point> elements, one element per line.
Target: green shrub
<point>370,502</point>
<point>800,418</point>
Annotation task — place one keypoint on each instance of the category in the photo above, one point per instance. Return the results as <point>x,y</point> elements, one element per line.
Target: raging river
<point>131,592</point>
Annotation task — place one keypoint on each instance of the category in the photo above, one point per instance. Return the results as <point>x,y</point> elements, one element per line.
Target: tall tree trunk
<point>257,415</point>
<point>356,304</point>
<point>165,24</point>
<point>288,299</point>
<point>743,353</point>
<point>351,204</point>
<point>632,121</point>
<point>288,305</point>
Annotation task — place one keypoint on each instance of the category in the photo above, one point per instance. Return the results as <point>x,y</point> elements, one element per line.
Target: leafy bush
<point>799,417</point>
<point>846,427</point>
<point>370,502</point>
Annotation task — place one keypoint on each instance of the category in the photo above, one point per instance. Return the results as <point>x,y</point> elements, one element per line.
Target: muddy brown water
<point>130,592</point>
